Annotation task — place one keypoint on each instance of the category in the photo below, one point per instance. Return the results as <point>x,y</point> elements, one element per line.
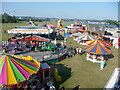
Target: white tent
<point>75,35</point>
<point>115,43</point>
<point>85,37</point>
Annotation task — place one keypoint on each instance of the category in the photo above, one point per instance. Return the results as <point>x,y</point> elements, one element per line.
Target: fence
<point>52,56</point>
<point>5,42</point>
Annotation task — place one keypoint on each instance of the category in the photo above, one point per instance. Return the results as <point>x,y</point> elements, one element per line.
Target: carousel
<point>96,53</point>
<point>34,42</point>
<point>22,72</point>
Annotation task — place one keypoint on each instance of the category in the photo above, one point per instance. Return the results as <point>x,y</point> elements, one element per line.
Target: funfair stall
<point>30,30</point>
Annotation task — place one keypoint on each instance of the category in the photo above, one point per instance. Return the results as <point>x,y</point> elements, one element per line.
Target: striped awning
<point>97,49</point>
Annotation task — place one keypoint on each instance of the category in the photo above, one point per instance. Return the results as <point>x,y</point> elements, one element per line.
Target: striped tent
<point>97,49</point>
<point>103,43</point>
<point>86,37</point>
<point>15,69</point>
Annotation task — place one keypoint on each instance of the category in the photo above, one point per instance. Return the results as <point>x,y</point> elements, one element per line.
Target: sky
<point>78,10</point>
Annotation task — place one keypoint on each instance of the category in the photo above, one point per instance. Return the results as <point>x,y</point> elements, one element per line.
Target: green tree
<point>8,19</point>
<point>112,22</point>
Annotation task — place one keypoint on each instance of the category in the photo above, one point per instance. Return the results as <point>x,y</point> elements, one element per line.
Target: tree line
<point>8,19</point>
<point>113,22</point>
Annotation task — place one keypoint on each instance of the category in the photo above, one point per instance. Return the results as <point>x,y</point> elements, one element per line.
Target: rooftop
<point>31,27</point>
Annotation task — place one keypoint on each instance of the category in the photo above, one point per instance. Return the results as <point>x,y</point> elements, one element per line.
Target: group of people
<point>78,50</point>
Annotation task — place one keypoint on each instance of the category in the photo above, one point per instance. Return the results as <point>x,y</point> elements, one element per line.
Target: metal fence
<point>53,55</point>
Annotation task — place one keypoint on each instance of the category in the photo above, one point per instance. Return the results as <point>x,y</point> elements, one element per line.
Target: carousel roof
<point>97,49</point>
<point>86,37</point>
<point>15,69</point>
<point>103,43</point>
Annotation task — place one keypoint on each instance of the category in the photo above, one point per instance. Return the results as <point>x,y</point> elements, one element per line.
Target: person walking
<point>77,50</point>
<point>102,64</point>
<point>80,51</point>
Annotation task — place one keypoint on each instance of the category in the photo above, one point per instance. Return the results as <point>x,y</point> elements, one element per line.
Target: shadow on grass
<point>105,65</point>
<point>109,56</point>
<point>82,53</point>
<point>63,71</point>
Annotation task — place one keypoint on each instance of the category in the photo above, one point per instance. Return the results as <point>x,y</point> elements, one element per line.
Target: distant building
<point>96,22</point>
<point>113,31</point>
<point>96,29</point>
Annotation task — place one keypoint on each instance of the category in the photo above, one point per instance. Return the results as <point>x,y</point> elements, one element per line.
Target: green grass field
<point>7,26</point>
<point>77,70</point>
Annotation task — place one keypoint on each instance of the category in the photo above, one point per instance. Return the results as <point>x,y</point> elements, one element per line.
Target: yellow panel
<point>10,75</point>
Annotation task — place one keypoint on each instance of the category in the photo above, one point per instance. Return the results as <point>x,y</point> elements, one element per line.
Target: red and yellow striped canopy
<point>103,43</point>
<point>97,49</point>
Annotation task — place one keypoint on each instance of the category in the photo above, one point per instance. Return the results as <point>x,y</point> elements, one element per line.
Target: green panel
<point>16,72</point>
<point>1,65</point>
<point>39,47</point>
<point>52,61</point>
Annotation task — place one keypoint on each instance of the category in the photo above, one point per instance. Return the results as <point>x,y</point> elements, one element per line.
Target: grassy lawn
<point>83,72</point>
<point>7,26</point>
<point>77,70</point>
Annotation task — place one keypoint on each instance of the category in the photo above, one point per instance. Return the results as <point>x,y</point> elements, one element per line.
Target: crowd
<point>73,51</point>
